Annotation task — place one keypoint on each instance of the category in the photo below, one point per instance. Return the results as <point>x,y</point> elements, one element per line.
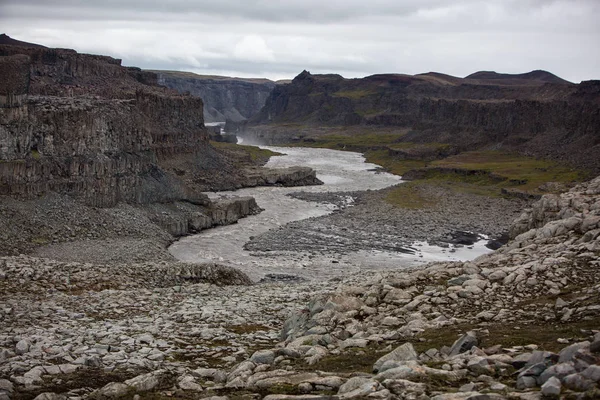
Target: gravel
<point>365,221</point>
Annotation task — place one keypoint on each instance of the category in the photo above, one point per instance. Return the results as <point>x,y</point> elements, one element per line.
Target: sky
<point>277,39</point>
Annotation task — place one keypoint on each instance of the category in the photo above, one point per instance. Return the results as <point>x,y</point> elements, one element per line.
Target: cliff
<point>86,126</point>
<point>535,113</point>
<point>224,98</point>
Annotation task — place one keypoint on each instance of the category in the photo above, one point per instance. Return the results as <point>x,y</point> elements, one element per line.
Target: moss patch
<point>245,154</point>
<point>544,334</point>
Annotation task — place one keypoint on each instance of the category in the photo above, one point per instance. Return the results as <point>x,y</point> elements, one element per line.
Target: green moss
<point>35,154</point>
<point>354,94</point>
<point>525,173</point>
<point>408,195</point>
<point>251,154</point>
<point>543,334</point>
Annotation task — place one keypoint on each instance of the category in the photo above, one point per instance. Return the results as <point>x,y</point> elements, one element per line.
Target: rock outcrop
<point>225,98</point>
<point>531,113</point>
<point>83,125</point>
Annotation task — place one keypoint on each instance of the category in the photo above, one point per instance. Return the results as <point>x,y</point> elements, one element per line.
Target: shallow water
<point>340,171</point>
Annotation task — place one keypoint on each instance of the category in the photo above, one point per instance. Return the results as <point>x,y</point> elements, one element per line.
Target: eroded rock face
<point>537,116</point>
<point>86,126</point>
<point>225,98</point>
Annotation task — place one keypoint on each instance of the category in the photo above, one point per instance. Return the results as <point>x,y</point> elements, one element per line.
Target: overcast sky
<point>277,39</point>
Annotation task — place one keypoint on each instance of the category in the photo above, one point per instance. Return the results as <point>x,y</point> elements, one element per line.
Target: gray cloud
<point>354,38</point>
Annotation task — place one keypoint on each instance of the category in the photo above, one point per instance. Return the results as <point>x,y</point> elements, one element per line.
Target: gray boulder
<point>464,343</point>
<point>551,388</point>
<point>405,352</point>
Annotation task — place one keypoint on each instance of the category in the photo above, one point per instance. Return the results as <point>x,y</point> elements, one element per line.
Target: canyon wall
<point>86,126</point>
<point>537,113</point>
<point>234,99</point>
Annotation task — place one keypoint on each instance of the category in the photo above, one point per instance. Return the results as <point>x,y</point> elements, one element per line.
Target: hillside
<point>225,98</point>
<point>535,113</point>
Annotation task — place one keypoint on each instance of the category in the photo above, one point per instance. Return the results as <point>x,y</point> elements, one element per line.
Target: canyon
<point>535,114</point>
<point>119,278</point>
<point>225,98</point>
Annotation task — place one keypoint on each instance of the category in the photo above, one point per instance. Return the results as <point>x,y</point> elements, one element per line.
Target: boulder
<point>464,343</point>
<point>405,352</point>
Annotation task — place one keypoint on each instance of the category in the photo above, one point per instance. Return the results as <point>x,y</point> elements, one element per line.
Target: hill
<point>535,113</point>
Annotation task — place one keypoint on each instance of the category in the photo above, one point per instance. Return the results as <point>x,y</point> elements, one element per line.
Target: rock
<point>188,382</point>
<point>568,352</point>
<point>526,382</point>
<point>464,343</point>
<point>358,387</point>
<point>22,346</point>
<point>592,373</point>
<point>405,352</point>
<point>560,303</point>
<point>6,386</point>
<point>263,357</point>
<point>578,383</point>
<point>147,382</point>
<point>361,343</point>
<point>551,388</point>
<point>479,366</point>
<point>112,390</point>
<point>497,275</point>
<point>402,386</point>
<point>558,371</point>
<point>50,396</point>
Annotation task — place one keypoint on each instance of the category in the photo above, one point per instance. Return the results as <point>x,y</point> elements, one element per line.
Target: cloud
<point>351,37</point>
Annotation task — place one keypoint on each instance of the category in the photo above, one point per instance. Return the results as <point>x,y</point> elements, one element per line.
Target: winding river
<point>340,171</point>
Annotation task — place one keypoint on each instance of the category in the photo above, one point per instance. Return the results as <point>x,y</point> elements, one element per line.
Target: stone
<point>361,343</point>
<point>22,346</point>
<point>6,385</point>
<point>526,382</point>
<point>147,382</point>
<point>558,371</point>
<point>592,373</point>
<point>479,365</point>
<point>551,388</point>
<point>464,343</point>
<point>358,387</point>
<point>578,383</point>
<point>405,352</point>
<point>568,352</point>
<point>188,382</point>
<point>402,386</point>
<point>112,390</point>
<point>263,357</point>
<point>50,396</point>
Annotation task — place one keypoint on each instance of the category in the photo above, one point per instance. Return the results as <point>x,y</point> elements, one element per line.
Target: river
<point>340,171</point>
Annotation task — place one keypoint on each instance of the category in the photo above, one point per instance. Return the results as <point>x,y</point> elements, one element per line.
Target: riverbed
<point>340,171</point>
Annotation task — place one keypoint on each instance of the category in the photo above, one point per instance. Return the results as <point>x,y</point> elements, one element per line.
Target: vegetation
<point>544,334</point>
<point>354,94</point>
<point>484,173</point>
<point>245,154</point>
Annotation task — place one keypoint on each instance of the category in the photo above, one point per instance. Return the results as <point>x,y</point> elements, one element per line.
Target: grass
<point>516,168</point>
<point>253,154</point>
<point>408,195</point>
<point>354,94</point>
<point>484,173</point>
<point>355,142</point>
<point>543,334</point>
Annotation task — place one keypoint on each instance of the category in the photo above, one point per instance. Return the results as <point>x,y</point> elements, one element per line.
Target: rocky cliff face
<point>86,126</point>
<point>536,113</point>
<point>234,99</point>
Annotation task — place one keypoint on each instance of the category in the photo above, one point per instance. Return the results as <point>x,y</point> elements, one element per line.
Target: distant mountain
<point>5,39</point>
<point>538,76</point>
<point>225,98</point>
